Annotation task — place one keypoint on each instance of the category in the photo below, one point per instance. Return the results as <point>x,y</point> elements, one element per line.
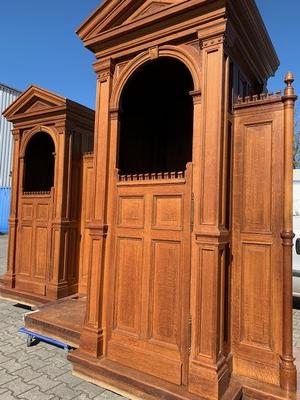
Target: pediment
<point>115,13</point>
<point>149,8</point>
<point>34,99</point>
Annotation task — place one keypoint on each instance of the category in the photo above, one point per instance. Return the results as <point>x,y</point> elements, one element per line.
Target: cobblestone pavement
<point>42,372</point>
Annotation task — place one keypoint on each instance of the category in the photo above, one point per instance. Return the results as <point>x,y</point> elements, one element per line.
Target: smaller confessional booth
<point>51,135</point>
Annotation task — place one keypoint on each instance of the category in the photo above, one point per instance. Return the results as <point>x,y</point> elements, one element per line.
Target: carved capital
<point>104,69</point>
<point>212,36</point>
<point>16,134</point>
<point>114,113</point>
<point>196,95</point>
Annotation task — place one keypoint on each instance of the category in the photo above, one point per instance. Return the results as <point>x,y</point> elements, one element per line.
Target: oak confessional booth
<point>189,287</point>
<point>50,133</point>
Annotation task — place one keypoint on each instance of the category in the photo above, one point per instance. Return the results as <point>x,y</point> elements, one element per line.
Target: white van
<point>296,229</point>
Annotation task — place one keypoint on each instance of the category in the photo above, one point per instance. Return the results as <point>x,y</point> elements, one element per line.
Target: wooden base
<point>22,297</point>
<point>62,320</point>
<point>134,383</point>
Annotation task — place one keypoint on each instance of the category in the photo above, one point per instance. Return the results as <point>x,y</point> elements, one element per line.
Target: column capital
<point>104,69</point>
<point>16,134</point>
<point>219,34</point>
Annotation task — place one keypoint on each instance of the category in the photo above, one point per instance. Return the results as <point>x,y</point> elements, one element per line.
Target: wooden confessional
<point>51,133</point>
<point>189,268</point>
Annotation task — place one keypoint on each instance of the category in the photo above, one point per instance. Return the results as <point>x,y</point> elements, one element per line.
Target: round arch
<point>156,118</point>
<point>183,54</point>
<point>37,129</point>
<point>39,162</point>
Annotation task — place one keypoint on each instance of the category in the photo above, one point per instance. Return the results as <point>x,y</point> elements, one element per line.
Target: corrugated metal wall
<point>4,208</point>
<point>7,96</point>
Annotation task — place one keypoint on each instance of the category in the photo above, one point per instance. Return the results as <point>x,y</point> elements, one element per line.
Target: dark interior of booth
<point>156,119</point>
<point>39,164</point>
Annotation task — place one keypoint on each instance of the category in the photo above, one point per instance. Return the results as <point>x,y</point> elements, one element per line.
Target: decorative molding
<point>154,52</point>
<point>195,44</point>
<point>152,8</point>
<point>120,67</point>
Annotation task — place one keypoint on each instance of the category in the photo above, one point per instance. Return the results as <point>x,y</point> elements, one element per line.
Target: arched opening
<point>156,119</point>
<point>39,163</point>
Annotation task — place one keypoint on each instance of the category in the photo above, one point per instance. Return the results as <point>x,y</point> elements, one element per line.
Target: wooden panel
<point>208,213</point>
<point>256,295</point>
<point>151,363</point>
<point>131,212</point>
<point>128,284</point>
<point>256,243</point>
<point>27,212</point>
<point>41,252</point>
<point>167,212</point>
<point>207,263</point>
<point>42,212</point>
<point>24,265</point>
<point>31,286</point>
<point>165,291</point>
<point>256,210</point>
<point>94,254</point>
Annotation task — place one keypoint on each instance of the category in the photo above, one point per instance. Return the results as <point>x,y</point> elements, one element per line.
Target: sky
<point>39,45</point>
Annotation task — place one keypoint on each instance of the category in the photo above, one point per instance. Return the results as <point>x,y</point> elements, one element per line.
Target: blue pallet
<point>5,193</point>
<point>43,338</point>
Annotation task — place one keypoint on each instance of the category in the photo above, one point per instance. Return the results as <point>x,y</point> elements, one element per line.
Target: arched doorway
<point>150,228</point>
<point>39,163</point>
<point>156,124</point>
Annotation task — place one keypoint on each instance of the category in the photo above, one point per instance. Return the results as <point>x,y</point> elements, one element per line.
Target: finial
<point>289,79</point>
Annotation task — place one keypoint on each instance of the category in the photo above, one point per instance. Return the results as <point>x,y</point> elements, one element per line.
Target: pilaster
<point>9,277</point>
<point>92,340</point>
<point>209,372</point>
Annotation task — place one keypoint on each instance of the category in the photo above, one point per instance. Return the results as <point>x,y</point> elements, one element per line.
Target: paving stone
<point>52,371</point>
<point>35,394</point>
<point>69,379</point>
<point>27,374</point>
<point>21,356</point>
<point>11,365</point>
<point>109,395</point>
<point>3,359</point>
<point>5,377</point>
<point>44,382</point>
<point>82,397</point>
<point>36,363</point>
<point>63,392</point>
<point>7,395</point>
<point>17,386</point>
<point>89,389</point>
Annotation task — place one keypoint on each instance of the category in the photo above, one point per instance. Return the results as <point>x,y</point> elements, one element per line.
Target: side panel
<point>85,216</point>
<point>257,247</point>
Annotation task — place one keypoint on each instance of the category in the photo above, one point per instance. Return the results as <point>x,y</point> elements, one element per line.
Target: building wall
<point>7,96</point>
